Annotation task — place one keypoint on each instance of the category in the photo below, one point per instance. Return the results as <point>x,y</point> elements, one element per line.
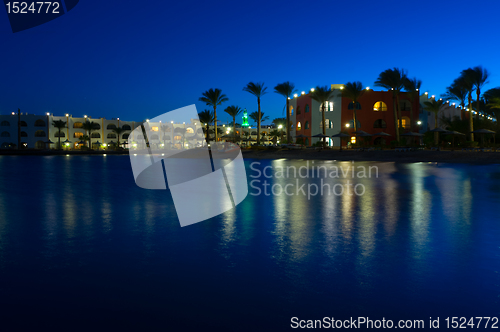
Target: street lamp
<point>281,132</point>
<point>347,125</point>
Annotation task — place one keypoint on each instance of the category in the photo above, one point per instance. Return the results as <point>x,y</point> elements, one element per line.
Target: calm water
<point>81,246</point>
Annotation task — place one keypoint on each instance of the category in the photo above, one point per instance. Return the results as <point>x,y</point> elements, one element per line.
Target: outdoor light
<point>147,120</point>
<point>104,155</point>
<point>426,93</point>
<point>160,120</point>
<point>341,88</point>
<point>433,96</point>
<point>172,122</point>
<point>48,114</point>
<point>312,89</point>
<point>223,125</point>
<point>367,88</point>
<point>453,104</point>
<point>289,98</point>
<point>13,113</point>
<point>416,90</point>
<point>119,119</point>
<point>295,95</point>
<point>85,116</point>
<point>419,122</point>
<point>347,125</point>
<point>67,115</point>
<point>303,93</point>
<point>104,144</point>
<point>280,126</point>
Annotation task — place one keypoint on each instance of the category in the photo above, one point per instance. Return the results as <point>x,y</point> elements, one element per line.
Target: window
<point>307,125</point>
<point>307,109</point>
<point>406,122</point>
<point>77,125</point>
<point>177,138</point>
<point>190,131</point>
<point>351,106</point>
<point>380,106</point>
<point>299,126</point>
<point>24,134</point>
<point>40,145</point>
<point>154,128</point>
<point>291,110</point>
<point>95,135</point>
<point>405,105</point>
<point>39,123</point>
<point>111,126</point>
<point>111,135</point>
<point>78,135</point>
<point>24,124</point>
<point>5,124</point>
<point>328,107</point>
<point>379,123</point>
<point>61,134</point>
<point>5,134</point>
<point>40,133</point>
<point>298,110</point>
<point>154,137</point>
<point>125,136</point>
<point>97,126</point>
<point>126,127</point>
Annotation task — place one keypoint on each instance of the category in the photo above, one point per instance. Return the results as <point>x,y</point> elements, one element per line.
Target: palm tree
<point>182,132</point>
<point>214,97</point>
<point>322,94</point>
<point>206,118</point>
<point>286,89</point>
<point>393,79</point>
<point>479,77</point>
<point>412,87</point>
<point>258,90</point>
<point>458,92</point>
<point>89,127</point>
<point>255,117</point>
<point>233,111</point>
<point>118,131</point>
<point>164,130</point>
<point>353,91</point>
<point>59,124</point>
<point>466,79</point>
<point>434,106</point>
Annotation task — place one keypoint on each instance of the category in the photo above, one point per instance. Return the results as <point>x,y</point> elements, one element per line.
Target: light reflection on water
<point>420,232</point>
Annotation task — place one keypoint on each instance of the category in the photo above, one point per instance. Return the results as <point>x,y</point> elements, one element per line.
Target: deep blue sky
<point>138,59</point>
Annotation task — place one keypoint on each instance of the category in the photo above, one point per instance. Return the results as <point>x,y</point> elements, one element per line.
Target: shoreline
<point>462,157</point>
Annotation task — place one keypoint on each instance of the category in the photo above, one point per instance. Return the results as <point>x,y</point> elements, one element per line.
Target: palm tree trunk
<point>324,129</point>
<point>400,119</point>
<point>258,122</point>
<point>471,120</point>
<point>478,92</point>
<point>411,115</point>
<point>287,121</point>
<point>215,122</point>
<point>394,109</point>
<point>234,129</point>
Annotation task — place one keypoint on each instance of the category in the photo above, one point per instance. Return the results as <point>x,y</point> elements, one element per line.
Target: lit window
<point>380,106</point>
<point>299,126</point>
<point>353,139</point>
<point>189,130</point>
<point>78,135</point>
<point>406,122</point>
<point>154,128</point>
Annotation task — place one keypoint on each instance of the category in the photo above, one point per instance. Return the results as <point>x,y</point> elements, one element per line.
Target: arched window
<point>5,124</point>
<point>111,135</point>
<point>351,106</point>
<point>291,110</point>
<point>379,106</point>
<point>24,134</point>
<point>5,134</point>
<point>298,110</point>
<point>404,105</point>
<point>40,145</point>
<point>95,135</point>
<point>97,126</point>
<point>77,125</point>
<point>125,136</point>
<point>328,124</point>
<point>61,134</point>
<point>39,123</point>
<point>78,135</point>
<point>307,125</point>
<point>379,123</point>
<point>40,133</point>
<point>111,126</point>
<point>126,127</point>
<point>299,126</point>
<point>154,137</point>
<point>307,109</point>
<point>177,138</point>
<point>24,124</point>
<point>328,107</point>
<point>189,130</point>
<point>406,122</point>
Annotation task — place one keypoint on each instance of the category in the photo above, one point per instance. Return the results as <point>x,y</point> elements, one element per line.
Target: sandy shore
<point>386,155</point>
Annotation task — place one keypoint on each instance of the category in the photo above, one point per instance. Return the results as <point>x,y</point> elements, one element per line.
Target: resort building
<point>449,110</point>
<point>375,113</point>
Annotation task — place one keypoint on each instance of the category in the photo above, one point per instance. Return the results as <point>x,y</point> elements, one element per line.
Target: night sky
<point>138,59</point>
